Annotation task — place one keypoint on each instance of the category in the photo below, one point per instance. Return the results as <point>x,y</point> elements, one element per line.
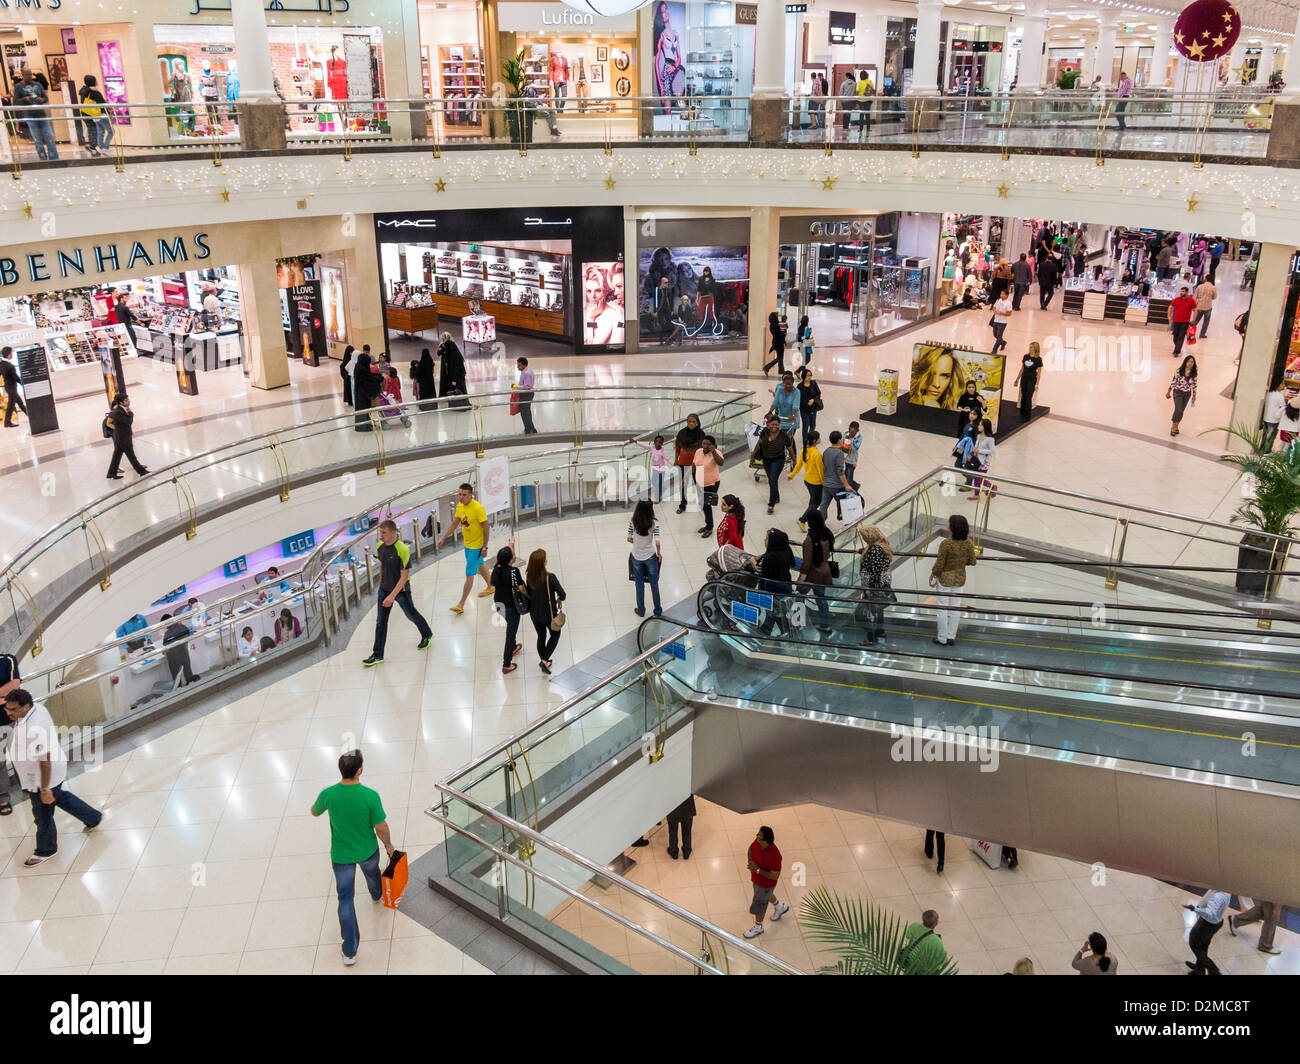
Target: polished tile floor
<point>222,802</point>
<point>988,918</point>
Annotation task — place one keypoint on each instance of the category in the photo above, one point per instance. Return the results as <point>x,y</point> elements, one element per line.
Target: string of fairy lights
<point>738,175</point>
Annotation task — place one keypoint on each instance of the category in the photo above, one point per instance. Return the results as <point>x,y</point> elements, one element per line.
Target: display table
<point>412,319</point>
<point>1115,306</point>
<point>528,319</point>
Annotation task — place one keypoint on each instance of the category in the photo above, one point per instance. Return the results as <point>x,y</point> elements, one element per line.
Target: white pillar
<point>925,57</point>
<point>1265,68</point>
<point>1104,61</point>
<point>1029,72</point>
<point>253,50</point>
<point>1235,59</point>
<point>1291,72</point>
<point>1164,41</point>
<point>769,49</point>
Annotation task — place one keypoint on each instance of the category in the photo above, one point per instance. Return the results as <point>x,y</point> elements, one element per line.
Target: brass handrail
<point>1103,115</point>
<point>1116,554</point>
<point>93,532</point>
<point>187,497</point>
<point>39,645</point>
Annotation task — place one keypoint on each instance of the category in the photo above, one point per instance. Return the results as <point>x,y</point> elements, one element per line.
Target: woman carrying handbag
<point>545,607</point>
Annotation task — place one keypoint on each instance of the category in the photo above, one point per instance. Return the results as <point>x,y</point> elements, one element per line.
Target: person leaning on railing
<point>29,94</point>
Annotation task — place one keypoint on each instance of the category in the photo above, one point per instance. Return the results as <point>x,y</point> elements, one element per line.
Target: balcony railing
<point>1231,124</point>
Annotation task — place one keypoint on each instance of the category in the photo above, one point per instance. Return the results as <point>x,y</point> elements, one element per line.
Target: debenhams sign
<point>92,260</point>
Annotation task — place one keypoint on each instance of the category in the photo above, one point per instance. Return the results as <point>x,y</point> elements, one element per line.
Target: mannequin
<point>232,89</point>
<point>559,75</point>
<point>182,95</point>
<point>580,90</point>
<point>336,75</point>
<point>208,88</point>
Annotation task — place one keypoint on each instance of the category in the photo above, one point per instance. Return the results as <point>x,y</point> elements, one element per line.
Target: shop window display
<point>694,295</point>
<point>702,59</point>
<point>314,69</point>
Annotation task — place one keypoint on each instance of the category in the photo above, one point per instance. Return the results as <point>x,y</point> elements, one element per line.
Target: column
<point>766,111</point>
<point>1104,63</point>
<point>1029,73</point>
<point>1257,357</point>
<point>1164,41</point>
<point>1235,58</point>
<point>413,115</point>
<point>764,260</point>
<point>261,114</point>
<point>925,60</point>
<point>1265,68</point>
<point>1291,72</point>
<point>631,304</point>
<point>259,306</point>
<point>769,49</point>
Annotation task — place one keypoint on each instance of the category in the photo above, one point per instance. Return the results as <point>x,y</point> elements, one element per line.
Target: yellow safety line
<point>1122,654</point>
<point>1040,712</point>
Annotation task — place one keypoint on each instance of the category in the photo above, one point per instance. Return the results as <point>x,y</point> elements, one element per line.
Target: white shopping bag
<point>851,507</point>
<point>991,852</point>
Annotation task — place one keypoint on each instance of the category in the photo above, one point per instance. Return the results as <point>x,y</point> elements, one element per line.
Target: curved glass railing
<point>496,809</point>
<point>1036,536</point>
<point>126,678</point>
<point>1233,122</point>
<point>88,546</point>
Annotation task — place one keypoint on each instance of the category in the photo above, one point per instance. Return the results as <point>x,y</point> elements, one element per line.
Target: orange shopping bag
<point>394,879</point>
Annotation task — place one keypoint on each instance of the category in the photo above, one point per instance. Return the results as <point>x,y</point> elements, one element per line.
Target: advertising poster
<point>694,292</point>
<point>336,325</point>
<point>494,483</point>
<point>603,314</point>
<point>114,79</point>
<point>669,64</point>
<point>940,375</point>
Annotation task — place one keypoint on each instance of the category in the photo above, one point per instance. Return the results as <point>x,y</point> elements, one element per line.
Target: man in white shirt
<point>42,766</point>
<point>1274,408</point>
<point>211,308</point>
<point>1204,295</point>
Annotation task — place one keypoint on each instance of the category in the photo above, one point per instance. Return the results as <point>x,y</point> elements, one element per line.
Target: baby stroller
<point>714,604</point>
<point>392,413</point>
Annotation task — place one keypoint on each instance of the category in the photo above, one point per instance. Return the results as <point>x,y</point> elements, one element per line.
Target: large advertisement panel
<point>694,294</point>
<point>941,373</point>
<point>603,316</point>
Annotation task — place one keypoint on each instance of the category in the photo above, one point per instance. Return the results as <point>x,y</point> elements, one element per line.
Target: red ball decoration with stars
<point>1207,30</point>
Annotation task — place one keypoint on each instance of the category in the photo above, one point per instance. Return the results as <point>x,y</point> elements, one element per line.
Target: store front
<point>512,270</point>
<point>691,294</point>
<point>1061,60</point>
<point>974,59</point>
<point>859,278</point>
<point>900,47</point>
<point>704,51</point>
<point>453,64</point>
<point>87,346</point>
<point>315,67</point>
<point>969,247</point>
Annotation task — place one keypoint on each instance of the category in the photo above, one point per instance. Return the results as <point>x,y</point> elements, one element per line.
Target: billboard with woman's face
<point>940,375</point>
<point>603,316</point>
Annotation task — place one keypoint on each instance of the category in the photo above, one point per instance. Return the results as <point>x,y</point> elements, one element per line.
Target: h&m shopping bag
<point>394,879</point>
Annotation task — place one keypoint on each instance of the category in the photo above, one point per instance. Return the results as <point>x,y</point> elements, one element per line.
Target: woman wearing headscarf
<point>345,371</point>
<point>773,567</point>
<point>685,445</point>
<point>451,373</point>
<point>777,346</point>
<point>426,387</point>
<point>367,385</point>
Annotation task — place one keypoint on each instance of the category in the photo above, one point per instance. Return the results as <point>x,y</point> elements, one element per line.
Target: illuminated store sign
<point>101,259</point>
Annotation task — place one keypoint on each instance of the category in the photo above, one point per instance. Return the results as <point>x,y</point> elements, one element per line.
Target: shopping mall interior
<point>969,650</point>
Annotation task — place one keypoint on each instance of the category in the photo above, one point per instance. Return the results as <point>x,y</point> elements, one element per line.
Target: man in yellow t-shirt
<point>865,90</point>
<point>472,519</point>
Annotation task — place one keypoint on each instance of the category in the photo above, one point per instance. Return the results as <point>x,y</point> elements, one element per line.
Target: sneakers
<point>754,931</point>
<point>779,910</point>
<point>425,643</point>
<point>372,661</point>
<point>349,961</point>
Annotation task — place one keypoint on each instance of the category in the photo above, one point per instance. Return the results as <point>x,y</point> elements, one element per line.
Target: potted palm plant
<point>866,939</point>
<point>519,115</point>
<point>1272,507</point>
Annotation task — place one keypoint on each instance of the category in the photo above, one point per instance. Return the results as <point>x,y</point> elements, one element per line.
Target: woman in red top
<point>731,529</point>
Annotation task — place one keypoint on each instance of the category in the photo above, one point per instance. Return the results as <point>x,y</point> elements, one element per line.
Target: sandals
<point>5,807</point>
<point>458,610</point>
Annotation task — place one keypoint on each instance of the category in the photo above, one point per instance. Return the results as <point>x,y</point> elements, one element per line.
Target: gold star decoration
<point>225,195</point>
<point>828,184</point>
<point>1003,189</point>
<point>609,182</point>
<point>302,204</point>
<point>1219,41</point>
<point>1192,204</point>
<point>1239,72</point>
<point>1196,51</point>
<point>1178,37</point>
<point>1227,17</point>
<point>27,209</point>
<point>440,185</point>
<point>1065,188</point>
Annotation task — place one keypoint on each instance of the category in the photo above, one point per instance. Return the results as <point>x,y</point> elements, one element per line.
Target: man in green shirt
<point>922,951</point>
<point>356,817</point>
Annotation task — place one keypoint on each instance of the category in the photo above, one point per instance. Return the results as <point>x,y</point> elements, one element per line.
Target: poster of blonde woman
<point>941,375</point>
<point>336,327</point>
<point>603,316</point>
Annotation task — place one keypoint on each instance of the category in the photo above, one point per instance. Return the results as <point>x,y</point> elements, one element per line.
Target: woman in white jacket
<point>983,451</point>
